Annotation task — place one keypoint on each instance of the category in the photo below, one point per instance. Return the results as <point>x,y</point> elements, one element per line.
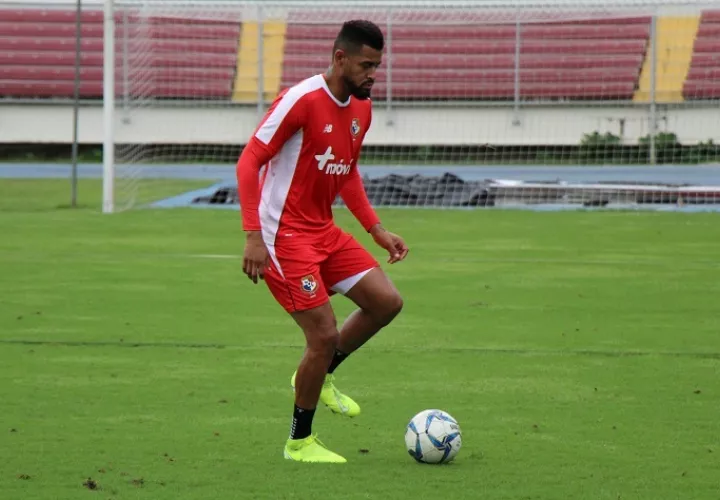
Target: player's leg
<point>321,336</point>
<point>305,298</point>
<point>356,274</point>
<point>353,272</point>
<point>378,301</point>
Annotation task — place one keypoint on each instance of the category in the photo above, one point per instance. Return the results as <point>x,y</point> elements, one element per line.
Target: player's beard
<point>357,91</point>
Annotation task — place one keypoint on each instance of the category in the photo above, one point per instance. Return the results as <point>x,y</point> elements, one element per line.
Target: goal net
<point>477,103</point>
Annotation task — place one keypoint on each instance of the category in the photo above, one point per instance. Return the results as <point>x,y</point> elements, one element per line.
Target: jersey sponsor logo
<point>325,163</point>
<point>355,127</point>
<point>308,283</point>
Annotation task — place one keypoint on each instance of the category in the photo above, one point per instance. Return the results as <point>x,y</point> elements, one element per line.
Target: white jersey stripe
<point>275,191</point>
<point>282,167</point>
<point>271,125</point>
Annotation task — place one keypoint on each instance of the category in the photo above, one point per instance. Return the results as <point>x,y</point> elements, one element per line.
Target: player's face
<point>358,71</point>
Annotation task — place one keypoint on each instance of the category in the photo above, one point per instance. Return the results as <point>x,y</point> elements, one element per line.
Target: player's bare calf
<point>379,303</point>
<point>321,336</point>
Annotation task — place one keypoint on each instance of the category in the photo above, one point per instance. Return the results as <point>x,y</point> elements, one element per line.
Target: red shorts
<point>305,271</point>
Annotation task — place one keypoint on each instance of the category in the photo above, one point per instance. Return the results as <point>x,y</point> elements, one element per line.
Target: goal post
<point>108,205</point>
<point>503,103</point>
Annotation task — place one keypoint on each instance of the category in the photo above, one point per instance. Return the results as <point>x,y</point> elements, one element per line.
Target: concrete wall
<point>536,125</point>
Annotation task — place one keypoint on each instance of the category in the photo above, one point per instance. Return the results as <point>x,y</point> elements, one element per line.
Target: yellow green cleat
<point>310,449</point>
<point>334,399</point>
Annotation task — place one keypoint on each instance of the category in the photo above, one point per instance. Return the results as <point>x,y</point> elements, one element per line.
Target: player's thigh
<point>377,294</point>
<point>319,326</point>
<point>295,281</point>
<point>346,265</point>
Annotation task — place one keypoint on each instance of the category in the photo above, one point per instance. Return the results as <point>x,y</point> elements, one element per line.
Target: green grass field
<point>580,352</point>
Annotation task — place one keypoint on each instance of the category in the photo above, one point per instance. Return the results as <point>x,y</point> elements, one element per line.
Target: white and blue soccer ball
<point>433,437</point>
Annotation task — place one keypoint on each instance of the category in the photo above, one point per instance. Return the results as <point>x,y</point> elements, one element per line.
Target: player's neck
<point>336,86</point>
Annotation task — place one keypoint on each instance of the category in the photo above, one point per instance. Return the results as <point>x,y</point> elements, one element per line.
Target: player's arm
<point>354,195</point>
<point>252,159</point>
<point>280,123</point>
<point>355,198</point>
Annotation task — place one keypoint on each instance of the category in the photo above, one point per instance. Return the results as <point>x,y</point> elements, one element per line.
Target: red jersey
<point>309,143</point>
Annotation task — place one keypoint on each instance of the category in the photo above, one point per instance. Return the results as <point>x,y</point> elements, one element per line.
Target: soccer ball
<point>433,437</point>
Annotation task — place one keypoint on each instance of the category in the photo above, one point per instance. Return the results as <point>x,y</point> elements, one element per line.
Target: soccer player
<point>307,147</point>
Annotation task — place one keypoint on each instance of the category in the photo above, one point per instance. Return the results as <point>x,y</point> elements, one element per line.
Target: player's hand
<point>255,257</point>
<point>393,243</point>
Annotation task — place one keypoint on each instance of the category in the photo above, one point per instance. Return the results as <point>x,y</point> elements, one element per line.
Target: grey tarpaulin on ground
<point>447,190</point>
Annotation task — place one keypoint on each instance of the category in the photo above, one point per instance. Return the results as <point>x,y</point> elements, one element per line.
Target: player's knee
<point>395,305</point>
<point>325,343</point>
<point>389,307</point>
<point>323,337</point>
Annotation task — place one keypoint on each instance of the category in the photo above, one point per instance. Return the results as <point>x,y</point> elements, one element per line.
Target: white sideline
<point>211,256</point>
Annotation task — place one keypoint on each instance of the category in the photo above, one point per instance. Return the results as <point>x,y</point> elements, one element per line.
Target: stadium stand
<point>182,58</point>
<point>703,79</point>
<point>176,58</point>
<point>558,60</point>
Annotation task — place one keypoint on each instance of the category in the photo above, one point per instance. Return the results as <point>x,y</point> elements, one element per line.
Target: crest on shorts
<point>355,127</point>
<point>308,283</point>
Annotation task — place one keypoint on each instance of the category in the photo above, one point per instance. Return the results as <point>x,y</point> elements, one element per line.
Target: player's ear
<point>339,57</point>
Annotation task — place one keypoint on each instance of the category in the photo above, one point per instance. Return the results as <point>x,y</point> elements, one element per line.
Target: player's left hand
<point>255,257</point>
<point>391,242</point>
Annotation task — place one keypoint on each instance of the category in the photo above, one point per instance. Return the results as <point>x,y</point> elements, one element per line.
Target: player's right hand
<point>255,257</point>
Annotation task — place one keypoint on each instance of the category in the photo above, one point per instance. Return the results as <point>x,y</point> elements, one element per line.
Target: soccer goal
<point>480,103</point>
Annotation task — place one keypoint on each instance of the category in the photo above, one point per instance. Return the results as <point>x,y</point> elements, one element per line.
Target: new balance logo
<point>328,128</point>
<point>332,168</point>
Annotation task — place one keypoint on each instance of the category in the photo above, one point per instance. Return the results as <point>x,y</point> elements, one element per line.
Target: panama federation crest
<point>308,283</point>
<point>355,127</point>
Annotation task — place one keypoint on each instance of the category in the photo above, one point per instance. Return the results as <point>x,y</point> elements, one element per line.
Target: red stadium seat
<point>53,73</point>
<point>327,33</point>
<point>711,45</point>
<point>48,44</point>
<point>586,32</point>
<point>406,17</point>
<point>432,57</point>
<point>223,34</point>
<point>94,89</point>
<point>488,47</point>
<point>701,81</point>
<point>461,90</point>
<point>704,73</point>
<point>708,30</point>
<point>469,77</point>
<point>95,59</point>
<point>702,89</point>
<point>705,60</point>
<point>710,16</point>
<point>180,57</point>
<point>582,18</point>
<point>61,30</point>
<point>308,63</point>
<point>149,76</point>
<point>439,58</point>
<point>49,16</point>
